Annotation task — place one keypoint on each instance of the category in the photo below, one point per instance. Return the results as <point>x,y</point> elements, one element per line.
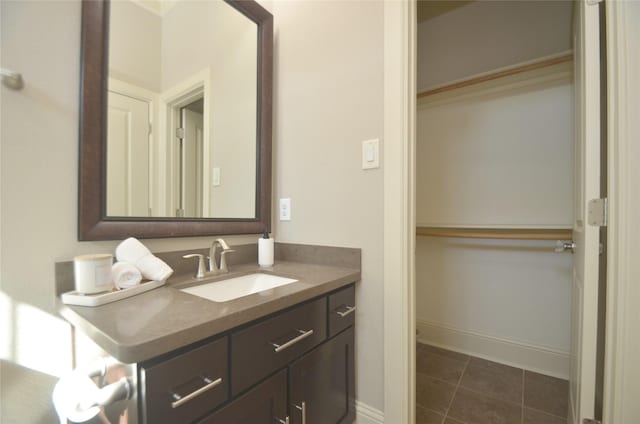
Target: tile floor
<point>453,388</point>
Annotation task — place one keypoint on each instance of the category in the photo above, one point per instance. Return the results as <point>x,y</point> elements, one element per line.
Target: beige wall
<point>327,100</point>
<point>134,45</point>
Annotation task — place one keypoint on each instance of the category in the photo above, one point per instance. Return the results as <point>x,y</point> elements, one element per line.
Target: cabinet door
<point>264,404</point>
<point>321,383</point>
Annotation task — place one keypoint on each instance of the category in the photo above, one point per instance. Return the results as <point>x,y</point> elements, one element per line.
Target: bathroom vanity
<point>285,355</point>
<point>305,351</point>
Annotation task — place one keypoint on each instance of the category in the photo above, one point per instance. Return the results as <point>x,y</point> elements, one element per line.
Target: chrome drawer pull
<point>285,421</point>
<point>303,335</point>
<point>303,410</point>
<point>350,310</point>
<point>180,400</point>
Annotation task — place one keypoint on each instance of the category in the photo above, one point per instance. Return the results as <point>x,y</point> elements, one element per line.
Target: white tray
<point>75,298</point>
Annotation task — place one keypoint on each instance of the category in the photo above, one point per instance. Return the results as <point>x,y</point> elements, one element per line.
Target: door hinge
<point>180,133</point>
<point>150,128</point>
<point>591,421</point>
<point>597,212</point>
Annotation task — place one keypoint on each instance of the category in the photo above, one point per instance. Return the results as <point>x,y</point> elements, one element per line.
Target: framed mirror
<point>175,119</point>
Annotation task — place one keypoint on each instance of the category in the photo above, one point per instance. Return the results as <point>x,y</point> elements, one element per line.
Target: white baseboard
<point>515,353</point>
<point>368,415</point>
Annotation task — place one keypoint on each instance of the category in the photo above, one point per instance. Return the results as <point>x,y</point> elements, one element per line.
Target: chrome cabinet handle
<point>303,410</point>
<point>350,310</point>
<point>303,335</point>
<point>180,400</point>
<point>285,421</point>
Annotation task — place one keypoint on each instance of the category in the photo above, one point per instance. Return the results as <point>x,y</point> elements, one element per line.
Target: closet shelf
<point>501,73</point>
<point>497,233</point>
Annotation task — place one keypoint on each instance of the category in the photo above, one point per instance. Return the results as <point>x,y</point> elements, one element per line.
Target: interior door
<point>128,156</point>
<point>585,236</point>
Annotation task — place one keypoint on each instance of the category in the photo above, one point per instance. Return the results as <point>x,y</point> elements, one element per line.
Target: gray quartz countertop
<point>164,319</point>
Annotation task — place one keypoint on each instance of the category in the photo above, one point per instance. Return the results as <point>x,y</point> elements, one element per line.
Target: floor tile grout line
<point>478,392</point>
<point>542,411</point>
<point>431,410</point>
<point>458,385</point>
<point>446,413</point>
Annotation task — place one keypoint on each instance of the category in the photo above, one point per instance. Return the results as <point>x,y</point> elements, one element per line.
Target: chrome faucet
<point>212,256</point>
<point>213,264</point>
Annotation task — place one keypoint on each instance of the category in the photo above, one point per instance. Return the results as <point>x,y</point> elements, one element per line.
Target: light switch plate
<point>285,209</point>
<point>370,154</point>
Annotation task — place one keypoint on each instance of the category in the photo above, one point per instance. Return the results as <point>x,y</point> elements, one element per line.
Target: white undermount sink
<point>233,288</point>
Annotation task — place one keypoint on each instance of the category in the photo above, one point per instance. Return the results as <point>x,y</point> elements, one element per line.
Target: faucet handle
<point>223,260</point>
<point>201,268</point>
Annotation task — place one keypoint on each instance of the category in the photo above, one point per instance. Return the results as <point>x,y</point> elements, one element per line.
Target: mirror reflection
<point>182,110</point>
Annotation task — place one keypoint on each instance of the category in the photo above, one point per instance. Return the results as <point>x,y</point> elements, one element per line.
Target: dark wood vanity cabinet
<point>321,383</point>
<point>294,367</point>
<point>265,403</point>
<point>270,344</point>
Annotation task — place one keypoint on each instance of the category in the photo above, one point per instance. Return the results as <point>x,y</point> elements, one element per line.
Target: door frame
<point>171,100</point>
<point>622,373</point>
<point>622,346</point>
<point>399,210</point>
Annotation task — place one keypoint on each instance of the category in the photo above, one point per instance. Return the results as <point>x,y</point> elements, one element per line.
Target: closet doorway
<point>507,160</point>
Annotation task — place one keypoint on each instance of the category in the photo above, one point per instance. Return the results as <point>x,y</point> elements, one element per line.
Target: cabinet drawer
<point>268,345</point>
<point>187,386</point>
<point>342,308</point>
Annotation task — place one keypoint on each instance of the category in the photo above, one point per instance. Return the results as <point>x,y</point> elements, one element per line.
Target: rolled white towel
<point>125,275</point>
<point>131,250</point>
<point>154,268</point>
<point>136,253</point>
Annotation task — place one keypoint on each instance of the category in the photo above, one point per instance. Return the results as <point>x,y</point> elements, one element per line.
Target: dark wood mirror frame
<point>93,224</point>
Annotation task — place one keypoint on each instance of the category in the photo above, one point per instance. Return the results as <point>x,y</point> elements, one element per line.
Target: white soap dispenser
<point>265,251</point>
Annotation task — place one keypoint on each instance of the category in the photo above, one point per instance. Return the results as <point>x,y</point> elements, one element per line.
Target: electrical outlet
<point>285,209</point>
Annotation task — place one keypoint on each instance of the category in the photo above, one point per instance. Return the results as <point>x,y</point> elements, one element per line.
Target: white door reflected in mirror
<point>191,66</point>
<point>127,156</point>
